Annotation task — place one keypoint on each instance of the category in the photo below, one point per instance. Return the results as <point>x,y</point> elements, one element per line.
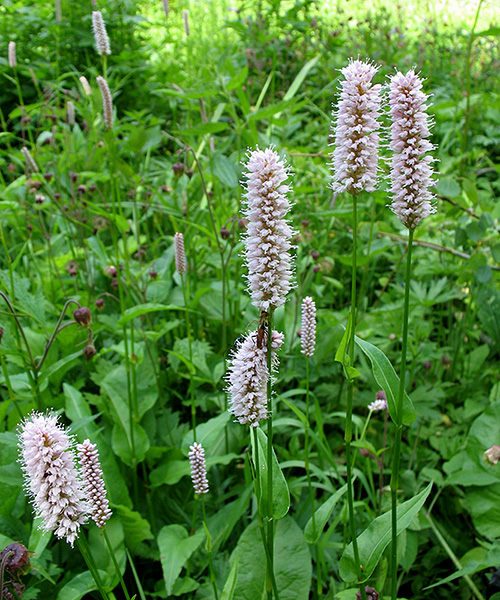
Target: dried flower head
<point>107,102</point>
<point>308,327</point>
<point>100,34</point>
<point>198,468</point>
<point>185,18</point>
<point>180,255</point>
<point>12,55</point>
<point>268,239</point>
<point>50,475</point>
<point>31,166</point>
<point>247,376</point>
<point>85,85</point>
<point>411,166</point>
<point>355,158</point>
<point>95,489</point>
<point>16,559</point>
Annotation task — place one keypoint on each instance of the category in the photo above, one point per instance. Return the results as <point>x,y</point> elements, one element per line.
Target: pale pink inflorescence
<point>267,243</point>
<point>100,34</point>
<point>198,468</point>
<point>51,477</point>
<point>411,165</point>
<point>492,455</point>
<point>166,8</point>
<point>70,113</point>
<point>355,158</point>
<point>31,166</point>
<point>85,85</point>
<point>380,402</point>
<point>185,18</point>
<point>12,55</point>
<point>308,327</point>
<point>95,489</point>
<point>107,102</point>
<point>247,376</point>
<point>180,254</point>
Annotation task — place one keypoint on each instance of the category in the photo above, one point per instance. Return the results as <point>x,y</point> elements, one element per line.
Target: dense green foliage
<point>96,225</point>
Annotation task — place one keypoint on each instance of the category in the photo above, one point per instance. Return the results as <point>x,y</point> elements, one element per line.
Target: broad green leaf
<point>281,495</point>
<point>322,514</point>
<point>142,309</point>
<point>130,447</point>
<point>63,362</point>
<point>223,521</point>
<point>78,411</point>
<point>387,379</point>
<point>135,528</point>
<point>238,79</point>
<point>292,562</point>
<point>225,170</point>
<point>485,509</point>
<point>297,82</point>
<point>376,537</point>
<point>78,587</point>
<point>175,548</point>
<point>209,434</point>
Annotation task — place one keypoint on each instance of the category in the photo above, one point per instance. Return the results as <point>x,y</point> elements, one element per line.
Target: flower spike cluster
<point>198,468</point>
<point>100,35</point>
<point>248,376</point>
<point>94,484</point>
<point>411,166</point>
<point>308,327</point>
<point>355,158</point>
<point>51,477</point>
<point>267,243</point>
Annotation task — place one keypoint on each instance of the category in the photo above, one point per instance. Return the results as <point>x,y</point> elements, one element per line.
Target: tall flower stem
<point>270,522</point>
<point>348,423</point>
<point>87,557</point>
<point>209,549</point>
<point>185,293</point>
<point>399,425</point>
<point>115,564</point>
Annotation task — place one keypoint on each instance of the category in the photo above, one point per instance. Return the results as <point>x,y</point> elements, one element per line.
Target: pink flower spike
<point>180,254</point>
<point>355,158</point>
<point>308,327</point>
<point>50,475</point>
<point>94,483</point>
<point>411,166</point>
<point>247,376</point>
<point>198,468</point>
<point>267,244</point>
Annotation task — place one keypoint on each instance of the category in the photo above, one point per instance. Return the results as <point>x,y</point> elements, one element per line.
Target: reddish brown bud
<point>317,268</point>
<point>190,173</point>
<point>178,169</point>
<point>427,365</point>
<point>242,223</point>
<point>48,176</point>
<point>111,271</point>
<point>18,561</point>
<point>81,189</point>
<point>315,254</point>
<point>83,316</point>
<point>73,176</point>
<point>89,352</point>
<point>371,593</point>
<point>92,188</point>
<point>73,271</point>
<point>99,303</point>
<point>305,223</point>
<point>224,233</point>
<point>39,198</point>
<point>153,274</point>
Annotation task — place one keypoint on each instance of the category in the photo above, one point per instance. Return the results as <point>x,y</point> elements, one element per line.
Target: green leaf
<point>485,509</point>
<point>342,356</point>
<point>376,537</point>
<point>322,514</point>
<point>78,587</point>
<point>238,79</point>
<point>225,170</point>
<point>387,379</point>
<point>298,81</point>
<point>448,187</point>
<point>281,495</point>
<point>230,585</point>
<point>175,548</point>
<point>63,362</point>
<point>209,434</point>
<point>203,128</point>
<point>135,528</point>
<point>292,562</point>
<point>142,309</point>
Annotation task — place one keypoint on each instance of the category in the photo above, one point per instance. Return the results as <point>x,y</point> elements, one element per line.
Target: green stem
<point>308,475</point>
<point>348,424</point>
<point>115,564</point>
<point>209,549</point>
<point>270,523</point>
<point>185,293</point>
<point>399,424</point>
<point>87,557</point>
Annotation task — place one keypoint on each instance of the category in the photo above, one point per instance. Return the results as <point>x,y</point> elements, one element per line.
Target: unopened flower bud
<point>18,560</point>
<point>315,254</point>
<point>190,173</point>
<point>39,198</point>
<point>427,365</point>
<point>153,274</point>
<point>99,303</point>
<point>48,177</point>
<point>224,233</point>
<point>83,316</point>
<point>371,594</point>
<point>111,270</point>
<point>178,169</point>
